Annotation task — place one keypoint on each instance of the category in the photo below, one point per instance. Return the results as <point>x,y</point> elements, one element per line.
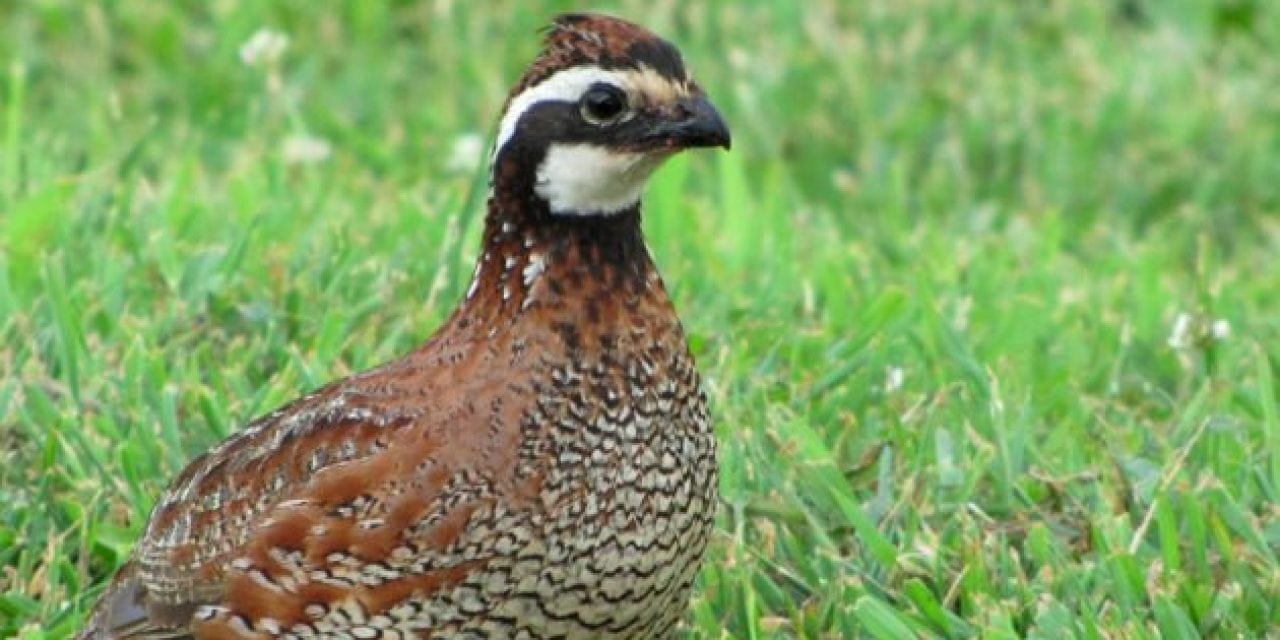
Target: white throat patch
<point>588,179</point>
<point>585,179</point>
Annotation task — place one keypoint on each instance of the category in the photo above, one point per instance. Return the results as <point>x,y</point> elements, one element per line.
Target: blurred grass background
<point>985,296</point>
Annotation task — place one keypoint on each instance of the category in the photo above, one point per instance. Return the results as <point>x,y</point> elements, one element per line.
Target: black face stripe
<point>556,121</point>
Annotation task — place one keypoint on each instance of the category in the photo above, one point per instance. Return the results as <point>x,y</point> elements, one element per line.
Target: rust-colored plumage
<point>542,466</point>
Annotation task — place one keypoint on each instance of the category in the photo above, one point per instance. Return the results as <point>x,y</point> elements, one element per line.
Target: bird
<point>542,466</point>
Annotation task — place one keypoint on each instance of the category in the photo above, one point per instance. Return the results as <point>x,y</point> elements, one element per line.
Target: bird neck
<point>556,267</point>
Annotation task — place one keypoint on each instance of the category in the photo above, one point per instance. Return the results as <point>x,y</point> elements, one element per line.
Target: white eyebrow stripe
<point>563,86</point>
<point>569,84</point>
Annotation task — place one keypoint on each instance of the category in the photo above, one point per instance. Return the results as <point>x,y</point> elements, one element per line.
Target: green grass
<point>932,289</point>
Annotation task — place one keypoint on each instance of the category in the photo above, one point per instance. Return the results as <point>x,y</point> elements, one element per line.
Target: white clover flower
<point>305,149</point>
<point>466,154</point>
<point>1220,329</point>
<point>893,379</point>
<point>264,47</point>
<point>1180,336</point>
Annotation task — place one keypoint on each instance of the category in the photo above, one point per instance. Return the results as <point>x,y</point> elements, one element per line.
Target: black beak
<point>695,123</point>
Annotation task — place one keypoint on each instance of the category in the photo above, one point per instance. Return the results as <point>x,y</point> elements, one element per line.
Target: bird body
<point>542,467</point>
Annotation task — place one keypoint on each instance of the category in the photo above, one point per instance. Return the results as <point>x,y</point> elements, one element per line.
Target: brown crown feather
<point>575,39</point>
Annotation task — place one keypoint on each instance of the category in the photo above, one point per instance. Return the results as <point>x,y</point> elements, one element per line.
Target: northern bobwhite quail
<point>541,467</point>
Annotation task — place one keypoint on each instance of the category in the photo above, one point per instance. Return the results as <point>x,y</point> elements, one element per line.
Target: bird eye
<point>603,103</point>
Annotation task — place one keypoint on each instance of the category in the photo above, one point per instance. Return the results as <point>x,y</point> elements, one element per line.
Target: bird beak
<point>696,123</point>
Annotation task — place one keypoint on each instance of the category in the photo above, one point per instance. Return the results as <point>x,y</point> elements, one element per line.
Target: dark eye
<point>602,103</point>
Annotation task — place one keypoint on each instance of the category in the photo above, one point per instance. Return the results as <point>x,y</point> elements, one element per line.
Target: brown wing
<point>357,494</point>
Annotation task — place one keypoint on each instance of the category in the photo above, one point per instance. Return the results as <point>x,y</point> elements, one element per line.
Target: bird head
<point>603,105</point>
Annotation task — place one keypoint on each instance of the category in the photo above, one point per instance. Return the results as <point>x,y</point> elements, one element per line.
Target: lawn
<point>985,296</point>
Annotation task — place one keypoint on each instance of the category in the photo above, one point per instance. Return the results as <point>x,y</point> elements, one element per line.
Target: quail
<point>543,466</point>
